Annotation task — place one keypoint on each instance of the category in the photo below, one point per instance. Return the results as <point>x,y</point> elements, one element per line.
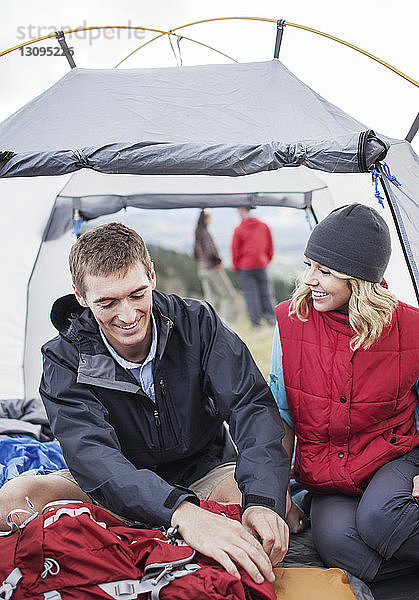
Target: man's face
<point>121,305</point>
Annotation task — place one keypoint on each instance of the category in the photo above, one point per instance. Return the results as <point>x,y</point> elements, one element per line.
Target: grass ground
<point>259,342</point>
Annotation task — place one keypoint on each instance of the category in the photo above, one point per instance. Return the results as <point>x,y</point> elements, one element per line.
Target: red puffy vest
<point>352,411</point>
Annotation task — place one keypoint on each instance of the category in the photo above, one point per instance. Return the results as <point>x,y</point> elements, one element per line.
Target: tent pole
<point>61,40</point>
<point>279,31</point>
<point>314,215</point>
<point>25,383</point>
<point>407,252</point>
<point>413,130</point>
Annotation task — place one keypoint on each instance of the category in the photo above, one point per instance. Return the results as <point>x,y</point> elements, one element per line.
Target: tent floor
<point>302,551</point>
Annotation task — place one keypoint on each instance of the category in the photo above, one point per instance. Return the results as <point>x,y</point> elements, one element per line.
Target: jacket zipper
<point>165,403</point>
<point>157,421</point>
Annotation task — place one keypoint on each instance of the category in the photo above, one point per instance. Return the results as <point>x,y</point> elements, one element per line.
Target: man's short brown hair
<point>107,249</point>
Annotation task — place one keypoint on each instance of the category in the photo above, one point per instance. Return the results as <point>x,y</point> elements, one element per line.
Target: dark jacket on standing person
<point>205,250</point>
<point>252,246</point>
<point>136,457</point>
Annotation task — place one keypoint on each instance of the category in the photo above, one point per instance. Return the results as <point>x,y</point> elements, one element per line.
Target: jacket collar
<point>338,321</point>
<point>96,366</point>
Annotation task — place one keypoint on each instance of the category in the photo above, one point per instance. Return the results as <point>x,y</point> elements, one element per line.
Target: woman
<point>345,364</point>
<point>216,285</point>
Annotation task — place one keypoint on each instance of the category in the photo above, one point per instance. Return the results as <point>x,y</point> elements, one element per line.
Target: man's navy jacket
<point>137,458</point>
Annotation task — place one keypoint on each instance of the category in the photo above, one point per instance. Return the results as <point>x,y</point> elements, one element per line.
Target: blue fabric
<point>276,380</point>
<point>143,373</point>
<point>19,454</point>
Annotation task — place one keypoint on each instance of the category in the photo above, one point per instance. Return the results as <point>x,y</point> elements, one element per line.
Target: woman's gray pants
<point>375,536</point>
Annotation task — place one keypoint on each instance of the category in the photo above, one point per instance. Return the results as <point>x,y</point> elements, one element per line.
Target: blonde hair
<point>370,308</point>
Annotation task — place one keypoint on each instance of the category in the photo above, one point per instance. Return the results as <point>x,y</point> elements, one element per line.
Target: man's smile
<point>128,327</point>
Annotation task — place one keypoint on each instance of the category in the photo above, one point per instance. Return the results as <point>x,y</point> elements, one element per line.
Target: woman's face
<point>328,292</point>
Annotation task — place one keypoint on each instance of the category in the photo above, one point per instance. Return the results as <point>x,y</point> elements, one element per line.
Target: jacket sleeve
<point>270,244</point>
<point>235,250</point>
<point>92,450</point>
<point>276,380</point>
<point>243,399</point>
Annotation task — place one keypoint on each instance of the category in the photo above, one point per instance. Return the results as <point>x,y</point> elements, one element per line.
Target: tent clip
<point>413,130</point>
<point>279,31</point>
<point>61,40</point>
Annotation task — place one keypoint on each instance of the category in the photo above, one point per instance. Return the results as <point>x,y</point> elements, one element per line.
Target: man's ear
<point>80,298</point>
<point>152,277</point>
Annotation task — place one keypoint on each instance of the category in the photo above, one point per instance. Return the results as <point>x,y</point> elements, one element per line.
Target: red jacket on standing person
<point>252,246</point>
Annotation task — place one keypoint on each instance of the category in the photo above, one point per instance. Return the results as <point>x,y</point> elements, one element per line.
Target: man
<point>137,386</point>
<point>252,251</point>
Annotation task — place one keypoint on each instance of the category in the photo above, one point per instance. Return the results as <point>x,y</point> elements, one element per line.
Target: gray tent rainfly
<point>115,130</point>
<point>207,120</point>
<point>211,120</point>
<point>346,154</point>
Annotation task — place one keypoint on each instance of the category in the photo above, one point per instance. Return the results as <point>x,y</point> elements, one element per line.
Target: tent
<point>100,140</point>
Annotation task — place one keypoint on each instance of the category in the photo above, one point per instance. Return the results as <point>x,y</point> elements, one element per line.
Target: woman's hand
<point>415,492</point>
<point>295,517</point>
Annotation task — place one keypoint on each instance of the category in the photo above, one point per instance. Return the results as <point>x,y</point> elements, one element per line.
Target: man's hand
<point>266,525</point>
<point>415,492</point>
<point>224,540</point>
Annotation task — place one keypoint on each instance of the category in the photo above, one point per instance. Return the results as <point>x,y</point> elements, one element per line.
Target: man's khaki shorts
<point>203,487</point>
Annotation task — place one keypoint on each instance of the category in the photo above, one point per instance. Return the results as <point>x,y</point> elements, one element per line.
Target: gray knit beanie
<point>353,240</point>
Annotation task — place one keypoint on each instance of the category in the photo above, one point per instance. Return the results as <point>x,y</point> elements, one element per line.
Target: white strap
<point>130,589</point>
<point>71,512</point>
<point>20,526</point>
<point>52,595</point>
<point>51,567</point>
<point>9,584</point>
<point>127,589</point>
<point>55,503</point>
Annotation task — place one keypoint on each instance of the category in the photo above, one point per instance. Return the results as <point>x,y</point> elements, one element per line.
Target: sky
<point>360,86</point>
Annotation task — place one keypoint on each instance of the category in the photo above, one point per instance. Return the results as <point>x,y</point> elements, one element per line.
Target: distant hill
<point>177,273</point>
<point>174,230</point>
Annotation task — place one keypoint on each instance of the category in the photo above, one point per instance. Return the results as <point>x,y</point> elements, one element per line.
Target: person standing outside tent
<point>216,286</point>
<point>252,250</point>
<point>345,365</point>
<point>138,386</point>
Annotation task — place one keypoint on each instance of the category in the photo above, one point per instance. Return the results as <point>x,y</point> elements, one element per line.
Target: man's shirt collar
<point>126,364</point>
